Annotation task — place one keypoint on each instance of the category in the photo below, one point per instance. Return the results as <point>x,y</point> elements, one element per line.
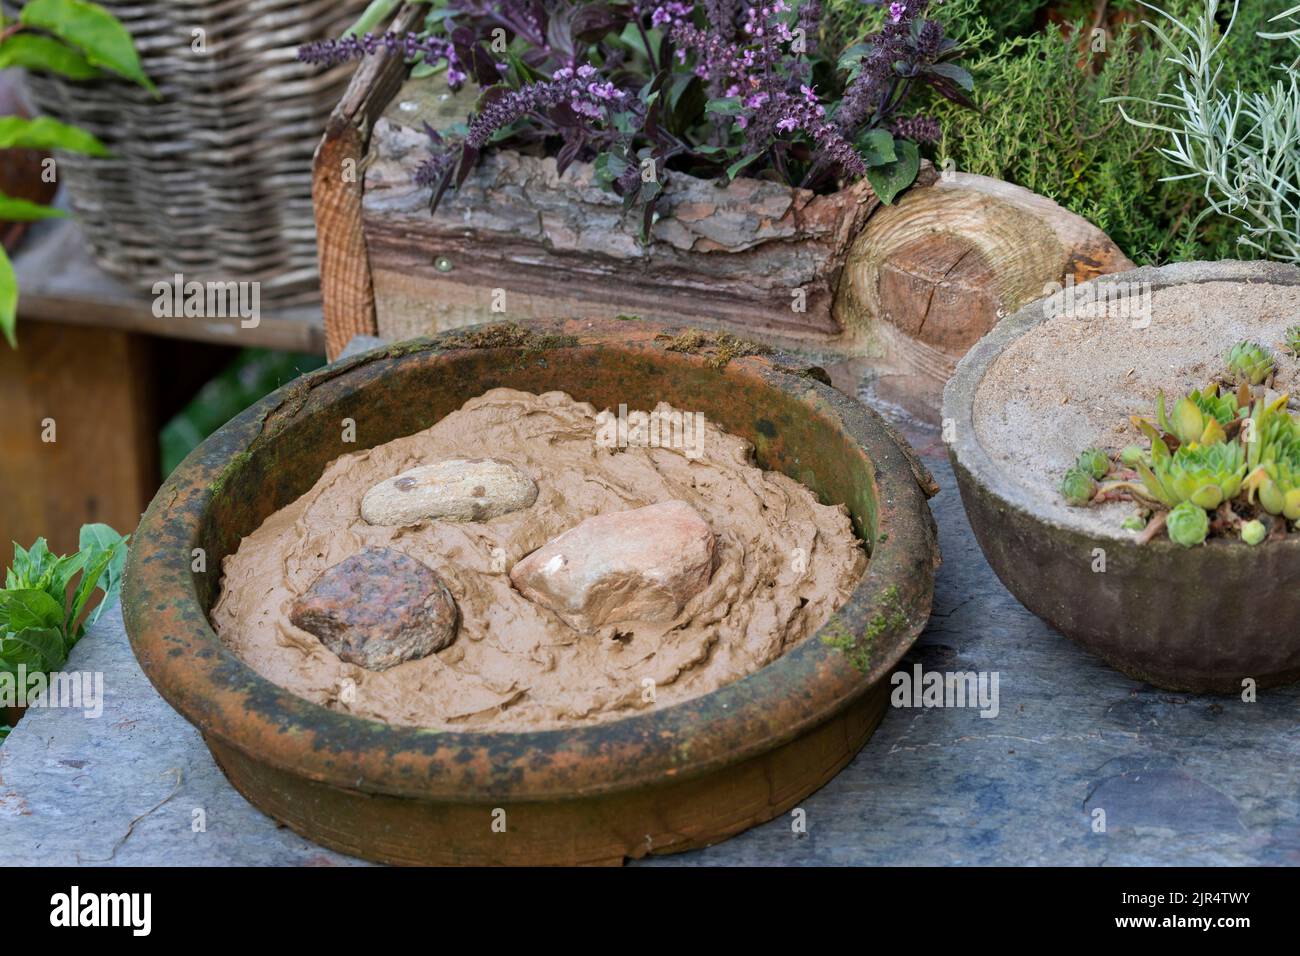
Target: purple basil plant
<point>648,87</point>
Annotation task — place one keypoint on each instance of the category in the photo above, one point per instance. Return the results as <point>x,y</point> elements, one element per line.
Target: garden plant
<point>45,595</point>
<point>75,39</point>
<point>1241,146</point>
<point>716,89</point>
<point>1051,81</point>
<point>1222,461</point>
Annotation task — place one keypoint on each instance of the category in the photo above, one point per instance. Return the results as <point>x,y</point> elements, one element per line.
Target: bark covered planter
<point>905,288</point>
<point>668,779</point>
<point>1200,619</point>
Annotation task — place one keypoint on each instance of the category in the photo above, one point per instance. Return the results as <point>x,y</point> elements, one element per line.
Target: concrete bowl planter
<point>1203,619</point>
<point>669,779</point>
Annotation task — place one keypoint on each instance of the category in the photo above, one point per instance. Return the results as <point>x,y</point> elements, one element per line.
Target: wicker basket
<point>213,180</point>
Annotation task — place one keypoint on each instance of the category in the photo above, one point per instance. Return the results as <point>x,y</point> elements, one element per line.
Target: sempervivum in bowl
<point>669,775</point>
<point>1128,452</point>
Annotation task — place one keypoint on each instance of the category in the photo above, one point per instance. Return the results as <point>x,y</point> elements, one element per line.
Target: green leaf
<point>376,13</point>
<point>20,210</point>
<point>29,607</point>
<point>95,566</point>
<point>729,106</point>
<point>850,57</point>
<point>61,573</point>
<point>877,148</point>
<point>520,69</point>
<point>740,164</point>
<point>93,30</point>
<point>40,648</point>
<point>17,132</point>
<point>631,36</point>
<point>625,121</point>
<point>608,167</point>
<point>679,85</point>
<point>892,178</point>
<point>28,565</point>
<point>98,540</point>
<point>33,51</point>
<point>8,300</point>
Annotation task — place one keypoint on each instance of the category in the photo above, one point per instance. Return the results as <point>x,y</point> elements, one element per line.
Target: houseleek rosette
<point>1188,525</point>
<point>1094,461</point>
<point>1236,453</point>
<point>1270,434</point>
<point>1276,484</point>
<point>1249,362</point>
<point>1199,417</point>
<point>1078,486</point>
<point>1205,475</point>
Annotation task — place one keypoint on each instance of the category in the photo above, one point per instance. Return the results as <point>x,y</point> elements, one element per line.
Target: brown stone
<point>378,608</point>
<point>638,565</point>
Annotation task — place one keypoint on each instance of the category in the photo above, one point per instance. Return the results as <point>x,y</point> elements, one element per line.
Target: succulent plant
<point>1236,453</point>
<point>1187,524</point>
<point>1270,433</point>
<point>1249,363</point>
<point>1277,485</point>
<point>1205,475</point>
<point>1094,461</point>
<point>1131,455</point>
<point>1078,486</point>
<point>1292,339</point>
<point>1133,523</point>
<point>1199,417</point>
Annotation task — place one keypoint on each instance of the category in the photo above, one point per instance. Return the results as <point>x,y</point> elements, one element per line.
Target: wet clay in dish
<point>783,564</point>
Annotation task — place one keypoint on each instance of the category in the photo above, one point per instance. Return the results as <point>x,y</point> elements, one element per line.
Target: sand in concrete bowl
<point>1070,382</point>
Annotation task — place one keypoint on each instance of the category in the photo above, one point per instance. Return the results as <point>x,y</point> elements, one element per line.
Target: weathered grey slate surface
<point>1182,779</point>
<point>122,789</point>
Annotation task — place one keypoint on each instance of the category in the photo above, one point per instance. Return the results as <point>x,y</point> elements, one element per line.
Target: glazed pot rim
<point>225,698</point>
<point>970,456</point>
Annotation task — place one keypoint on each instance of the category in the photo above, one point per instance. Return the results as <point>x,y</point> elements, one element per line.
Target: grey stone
<point>457,489</point>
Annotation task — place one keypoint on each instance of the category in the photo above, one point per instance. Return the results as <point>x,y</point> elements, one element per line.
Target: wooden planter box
<point>901,291</point>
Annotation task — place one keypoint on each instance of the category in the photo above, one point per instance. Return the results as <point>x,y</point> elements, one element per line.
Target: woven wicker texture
<point>213,180</point>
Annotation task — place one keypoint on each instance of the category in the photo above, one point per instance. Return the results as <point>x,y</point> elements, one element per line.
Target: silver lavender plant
<point>1244,144</point>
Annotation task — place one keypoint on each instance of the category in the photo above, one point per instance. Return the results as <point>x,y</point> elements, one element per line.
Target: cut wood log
<point>931,274</point>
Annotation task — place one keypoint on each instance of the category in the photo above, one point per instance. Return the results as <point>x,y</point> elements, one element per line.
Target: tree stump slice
<point>931,275</point>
